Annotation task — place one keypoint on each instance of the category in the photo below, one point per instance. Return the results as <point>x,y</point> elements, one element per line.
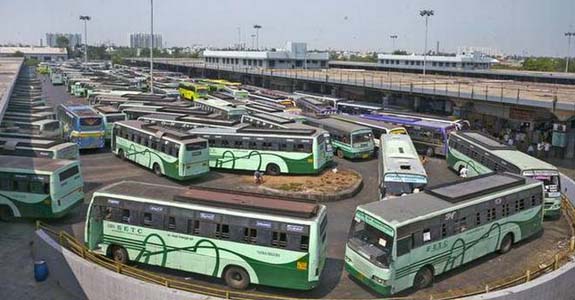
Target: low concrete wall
<point>86,280</point>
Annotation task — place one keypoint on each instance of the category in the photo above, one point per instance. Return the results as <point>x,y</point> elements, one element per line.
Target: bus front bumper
<point>384,290</point>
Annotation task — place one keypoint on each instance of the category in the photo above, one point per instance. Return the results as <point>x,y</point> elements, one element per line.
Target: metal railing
<point>71,243</point>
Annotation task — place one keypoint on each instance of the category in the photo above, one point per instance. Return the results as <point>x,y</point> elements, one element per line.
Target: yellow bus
<point>192,91</point>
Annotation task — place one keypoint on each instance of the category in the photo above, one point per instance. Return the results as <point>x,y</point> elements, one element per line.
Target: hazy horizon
<point>525,27</point>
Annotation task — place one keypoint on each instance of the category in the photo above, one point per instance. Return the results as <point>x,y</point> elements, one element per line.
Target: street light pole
<point>426,14</point>
<point>85,19</point>
<point>151,46</point>
<point>257,28</point>
<point>568,35</point>
<point>393,38</point>
<point>253,36</point>
<point>239,37</point>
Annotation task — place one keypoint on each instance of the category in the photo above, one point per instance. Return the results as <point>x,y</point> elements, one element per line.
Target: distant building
<point>74,39</point>
<point>463,61</point>
<point>294,56</point>
<point>39,53</point>
<point>142,40</point>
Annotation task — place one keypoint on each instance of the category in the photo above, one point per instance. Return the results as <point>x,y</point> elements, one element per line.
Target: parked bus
<point>314,107</point>
<point>320,97</point>
<point>273,97</point>
<point>40,128</point>
<point>241,237</point>
<point>192,91</point>
<point>481,154</point>
<point>48,115</point>
<point>406,242</point>
<point>34,147</point>
<point>429,136</point>
<point>400,169</point>
<point>186,122</point>
<point>377,127</point>
<point>357,107</point>
<point>348,140</point>
<point>275,151</point>
<point>167,152</point>
<point>56,78</point>
<point>29,109</point>
<point>81,124</point>
<point>32,187</point>
<point>266,120</point>
<point>226,109</point>
<point>110,115</point>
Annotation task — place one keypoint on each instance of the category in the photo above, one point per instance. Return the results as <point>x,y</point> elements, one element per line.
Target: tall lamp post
<point>393,37</point>
<point>568,35</point>
<point>85,19</point>
<point>151,46</point>
<point>425,13</point>
<point>257,28</point>
<point>253,36</point>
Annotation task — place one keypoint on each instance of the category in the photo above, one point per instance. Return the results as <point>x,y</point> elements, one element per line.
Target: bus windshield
<point>396,188</point>
<point>550,182</point>
<point>370,243</point>
<point>196,146</point>
<point>89,122</point>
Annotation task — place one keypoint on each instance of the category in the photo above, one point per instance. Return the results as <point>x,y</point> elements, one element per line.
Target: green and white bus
<point>405,242</point>
<point>33,187</point>
<point>240,237</point>
<point>481,153</point>
<point>36,147</point>
<point>110,115</point>
<point>275,151</point>
<point>167,152</point>
<point>348,140</point>
<point>226,109</point>
<point>400,169</point>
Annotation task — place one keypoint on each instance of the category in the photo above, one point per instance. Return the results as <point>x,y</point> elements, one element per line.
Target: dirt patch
<point>327,182</point>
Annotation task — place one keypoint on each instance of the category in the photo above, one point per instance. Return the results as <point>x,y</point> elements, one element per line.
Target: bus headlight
<point>310,160</point>
<point>378,280</point>
<point>48,202</point>
<point>302,265</point>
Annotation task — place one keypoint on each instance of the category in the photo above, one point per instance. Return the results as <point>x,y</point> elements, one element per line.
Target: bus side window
<point>147,219</point>
<point>264,237</point>
<point>304,242</point>
<point>404,245</point>
<point>125,216</point>
<point>194,227</point>
<point>250,235</point>
<point>279,239</point>
<point>293,241</point>
<point>6,183</point>
<point>22,183</point>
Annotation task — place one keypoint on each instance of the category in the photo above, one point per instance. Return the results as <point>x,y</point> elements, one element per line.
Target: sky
<point>525,27</point>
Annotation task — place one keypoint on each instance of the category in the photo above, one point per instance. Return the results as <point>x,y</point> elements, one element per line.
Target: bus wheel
<point>506,243</point>
<point>119,254</point>
<point>273,169</point>
<point>339,153</point>
<point>157,169</point>
<point>423,278</point>
<point>121,154</point>
<point>237,278</point>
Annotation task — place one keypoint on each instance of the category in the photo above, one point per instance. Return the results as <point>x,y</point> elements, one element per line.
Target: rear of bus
<point>67,151</point>
<point>193,159</point>
<point>368,252</point>
<point>109,120</point>
<point>322,151</point>
<point>317,251</point>
<point>66,188</point>
<point>362,144</point>
<point>552,187</point>
<point>49,128</point>
<point>89,132</point>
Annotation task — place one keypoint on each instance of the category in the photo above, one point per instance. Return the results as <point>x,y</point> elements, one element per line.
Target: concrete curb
<point>316,196</point>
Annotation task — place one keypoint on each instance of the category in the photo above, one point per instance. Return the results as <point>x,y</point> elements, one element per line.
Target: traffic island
<point>330,185</point>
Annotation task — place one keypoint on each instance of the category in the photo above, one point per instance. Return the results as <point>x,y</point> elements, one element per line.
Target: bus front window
<point>393,188</point>
<point>550,182</point>
<point>370,243</point>
<point>90,123</point>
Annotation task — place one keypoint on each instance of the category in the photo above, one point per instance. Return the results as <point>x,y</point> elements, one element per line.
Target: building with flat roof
<point>463,61</point>
<point>142,40</point>
<point>39,53</point>
<point>74,39</point>
<point>294,56</point>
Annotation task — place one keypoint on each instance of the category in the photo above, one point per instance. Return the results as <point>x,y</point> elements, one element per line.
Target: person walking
<point>258,177</point>
<point>539,149</point>
<point>547,148</point>
<point>531,150</point>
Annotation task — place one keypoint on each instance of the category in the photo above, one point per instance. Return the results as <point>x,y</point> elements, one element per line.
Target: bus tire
<point>506,243</point>
<point>121,154</point>
<point>423,278</point>
<point>339,153</point>
<point>157,170</point>
<point>119,254</point>
<point>236,278</point>
<point>273,169</point>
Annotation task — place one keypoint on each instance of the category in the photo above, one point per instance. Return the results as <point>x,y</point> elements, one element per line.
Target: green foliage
<point>62,41</point>
<point>31,62</point>
<point>545,64</point>
<point>400,52</point>
<point>17,54</point>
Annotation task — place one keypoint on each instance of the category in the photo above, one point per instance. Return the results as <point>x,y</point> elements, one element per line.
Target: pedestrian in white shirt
<point>546,148</point>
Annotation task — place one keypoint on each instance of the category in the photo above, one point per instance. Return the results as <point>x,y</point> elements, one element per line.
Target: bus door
<point>95,227</point>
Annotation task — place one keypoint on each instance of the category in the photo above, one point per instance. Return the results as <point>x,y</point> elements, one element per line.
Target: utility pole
<point>257,28</point>
<point>151,46</point>
<point>426,14</point>
<point>393,37</point>
<point>239,37</point>
<point>253,36</point>
<point>85,19</point>
<point>568,35</point>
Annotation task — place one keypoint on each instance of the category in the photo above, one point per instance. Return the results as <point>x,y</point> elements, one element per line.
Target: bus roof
<point>10,141</point>
<point>107,109</point>
<point>400,155</point>
<point>407,120</point>
<point>436,199</point>
<point>272,118</point>
<point>80,110</point>
<point>33,163</point>
<point>248,201</point>
<point>160,131</point>
<point>336,124</point>
<point>365,122</point>
<point>508,153</point>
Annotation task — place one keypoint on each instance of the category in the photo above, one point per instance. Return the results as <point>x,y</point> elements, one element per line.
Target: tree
<point>400,52</point>
<point>17,54</point>
<point>62,42</point>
